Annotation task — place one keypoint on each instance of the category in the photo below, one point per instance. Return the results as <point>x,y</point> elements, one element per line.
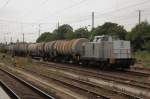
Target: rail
<point>9,92</point>
<point>35,89</point>
<point>106,76</point>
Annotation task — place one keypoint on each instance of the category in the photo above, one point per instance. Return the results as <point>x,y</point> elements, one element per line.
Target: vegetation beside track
<point>9,60</point>
<point>142,59</point>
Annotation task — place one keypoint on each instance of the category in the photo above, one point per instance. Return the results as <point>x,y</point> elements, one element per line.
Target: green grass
<point>147,65</point>
<point>142,58</point>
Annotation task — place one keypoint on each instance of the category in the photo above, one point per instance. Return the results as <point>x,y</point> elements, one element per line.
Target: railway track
<point>141,70</point>
<point>110,76</point>
<point>21,88</point>
<point>8,92</point>
<point>93,90</point>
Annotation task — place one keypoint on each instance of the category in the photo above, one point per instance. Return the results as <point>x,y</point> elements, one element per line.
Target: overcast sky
<point>24,16</point>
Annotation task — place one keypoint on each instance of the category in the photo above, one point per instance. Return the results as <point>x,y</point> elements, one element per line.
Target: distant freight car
<point>17,49</point>
<point>10,48</point>
<point>21,49</point>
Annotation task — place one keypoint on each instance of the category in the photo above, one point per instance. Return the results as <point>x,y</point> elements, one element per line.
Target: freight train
<point>104,51</point>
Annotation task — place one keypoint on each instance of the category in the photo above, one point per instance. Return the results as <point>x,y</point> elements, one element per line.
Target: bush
<point>142,56</point>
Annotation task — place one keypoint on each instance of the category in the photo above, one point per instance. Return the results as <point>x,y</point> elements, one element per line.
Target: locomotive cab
<point>102,38</point>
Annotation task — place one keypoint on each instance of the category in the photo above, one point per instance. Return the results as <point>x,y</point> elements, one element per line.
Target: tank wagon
<point>17,49</point>
<point>49,52</point>
<point>32,49</point>
<point>104,51</point>
<point>68,50</point>
<point>10,48</point>
<point>21,49</point>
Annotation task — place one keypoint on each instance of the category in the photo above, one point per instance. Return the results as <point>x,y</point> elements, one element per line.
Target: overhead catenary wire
<point>126,20</point>
<point>126,7</point>
<point>96,12</point>
<point>64,9</point>
<point>120,9</point>
<point>119,18</point>
<point>122,17</point>
<point>29,23</point>
<point>75,21</point>
<point>6,3</point>
<point>41,4</point>
<point>114,11</point>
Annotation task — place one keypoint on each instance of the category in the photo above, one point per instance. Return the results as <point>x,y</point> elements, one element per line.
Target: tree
<point>109,28</point>
<point>140,36</point>
<point>81,33</point>
<point>62,31</point>
<point>147,46</point>
<point>46,37</point>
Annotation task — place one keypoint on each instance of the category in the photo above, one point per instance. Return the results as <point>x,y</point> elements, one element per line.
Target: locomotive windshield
<point>102,38</point>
